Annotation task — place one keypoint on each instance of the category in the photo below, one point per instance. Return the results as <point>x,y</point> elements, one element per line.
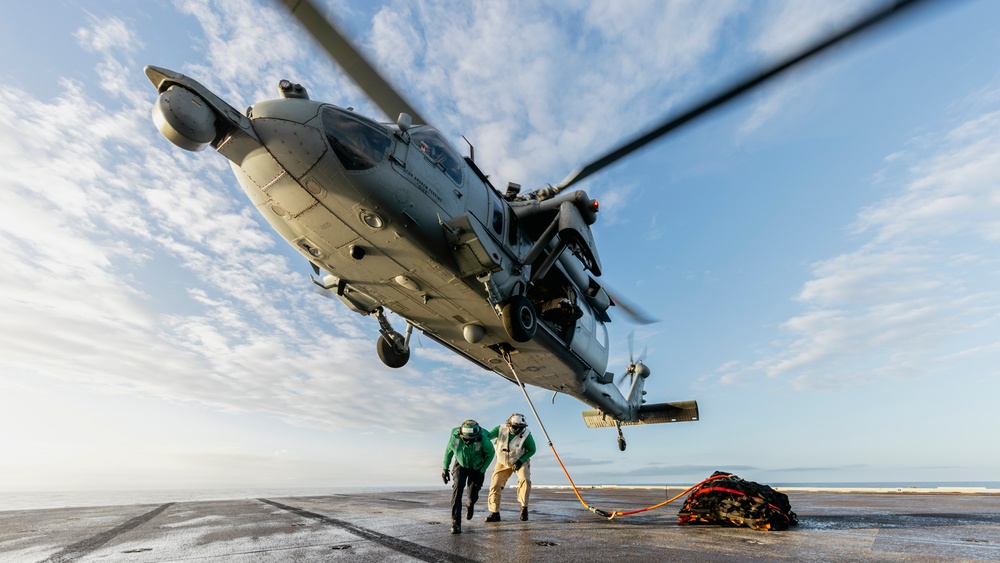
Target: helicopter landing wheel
<point>519,318</point>
<point>388,354</point>
<point>621,437</point>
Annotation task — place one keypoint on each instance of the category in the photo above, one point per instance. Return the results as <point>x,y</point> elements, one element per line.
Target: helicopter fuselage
<point>398,220</point>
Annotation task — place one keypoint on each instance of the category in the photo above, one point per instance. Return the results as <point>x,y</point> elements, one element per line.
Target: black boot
<point>524,514</point>
<point>493,517</point>
<point>470,511</point>
<point>456,526</point>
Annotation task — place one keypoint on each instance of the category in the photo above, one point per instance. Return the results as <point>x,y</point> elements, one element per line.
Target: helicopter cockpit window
<point>359,143</point>
<point>437,150</point>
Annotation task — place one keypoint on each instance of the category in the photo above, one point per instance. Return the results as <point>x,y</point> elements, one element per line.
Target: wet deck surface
<point>414,526</point>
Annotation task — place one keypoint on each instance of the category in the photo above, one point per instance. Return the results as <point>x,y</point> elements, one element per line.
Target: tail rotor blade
<point>634,313</point>
<point>631,345</point>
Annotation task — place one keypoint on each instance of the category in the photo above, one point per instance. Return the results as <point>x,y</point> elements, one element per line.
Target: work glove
<point>517,465</point>
<point>445,476</point>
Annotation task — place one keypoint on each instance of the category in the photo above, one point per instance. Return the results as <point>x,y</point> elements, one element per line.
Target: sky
<point>822,254</point>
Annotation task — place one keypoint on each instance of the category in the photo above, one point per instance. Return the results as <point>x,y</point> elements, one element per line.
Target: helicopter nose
<point>287,129</point>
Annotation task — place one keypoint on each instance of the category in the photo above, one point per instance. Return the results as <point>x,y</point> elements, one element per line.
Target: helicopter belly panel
<point>334,189</point>
<point>546,362</point>
<point>262,178</point>
<point>466,239</point>
<point>328,230</point>
<point>287,195</point>
<point>271,189</point>
<point>262,203</point>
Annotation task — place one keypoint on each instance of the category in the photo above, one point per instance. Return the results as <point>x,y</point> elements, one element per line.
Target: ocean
<point>38,500</point>
<point>35,500</point>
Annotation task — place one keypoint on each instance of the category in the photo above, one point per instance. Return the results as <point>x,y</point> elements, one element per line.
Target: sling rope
<point>606,514</point>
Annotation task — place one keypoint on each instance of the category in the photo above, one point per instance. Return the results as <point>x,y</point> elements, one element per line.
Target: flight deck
<point>888,525</point>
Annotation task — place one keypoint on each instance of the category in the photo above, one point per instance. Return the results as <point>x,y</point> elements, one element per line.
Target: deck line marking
<point>81,548</point>
<point>409,548</point>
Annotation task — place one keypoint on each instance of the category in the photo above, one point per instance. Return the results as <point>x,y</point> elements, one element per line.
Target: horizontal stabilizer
<point>660,413</point>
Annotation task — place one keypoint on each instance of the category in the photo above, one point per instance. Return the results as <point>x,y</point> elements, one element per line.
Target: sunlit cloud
<point>535,118</point>
<point>117,205</point>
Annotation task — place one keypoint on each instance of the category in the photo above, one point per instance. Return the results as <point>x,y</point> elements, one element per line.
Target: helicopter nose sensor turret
<point>192,117</point>
<point>184,118</point>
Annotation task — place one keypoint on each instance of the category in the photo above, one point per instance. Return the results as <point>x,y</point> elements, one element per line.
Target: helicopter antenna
<point>472,149</point>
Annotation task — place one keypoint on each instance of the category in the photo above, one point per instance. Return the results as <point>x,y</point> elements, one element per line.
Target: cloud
<point>919,292</point>
<point>538,87</point>
<point>107,35</point>
<point>249,46</point>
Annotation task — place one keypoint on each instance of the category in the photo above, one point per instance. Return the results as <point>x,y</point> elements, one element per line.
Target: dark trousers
<point>459,476</point>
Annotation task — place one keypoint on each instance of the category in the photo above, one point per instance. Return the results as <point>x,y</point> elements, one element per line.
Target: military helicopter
<point>399,221</point>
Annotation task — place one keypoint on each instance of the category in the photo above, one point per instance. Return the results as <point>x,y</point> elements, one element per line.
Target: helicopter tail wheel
<point>519,318</point>
<point>621,437</point>
<point>389,355</point>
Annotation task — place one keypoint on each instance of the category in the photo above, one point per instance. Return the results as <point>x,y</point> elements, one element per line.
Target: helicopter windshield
<point>437,150</point>
<point>359,143</point>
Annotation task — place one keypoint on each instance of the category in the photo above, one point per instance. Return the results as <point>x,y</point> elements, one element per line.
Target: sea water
<point>66,499</point>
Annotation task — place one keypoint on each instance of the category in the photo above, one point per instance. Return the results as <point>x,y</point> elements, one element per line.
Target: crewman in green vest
<point>472,452</point>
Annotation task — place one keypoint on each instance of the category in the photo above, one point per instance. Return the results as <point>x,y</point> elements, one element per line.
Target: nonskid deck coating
<point>414,526</point>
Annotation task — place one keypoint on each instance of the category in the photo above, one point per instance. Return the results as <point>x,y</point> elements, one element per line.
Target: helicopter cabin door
<point>590,340</point>
<point>501,223</point>
<point>434,169</point>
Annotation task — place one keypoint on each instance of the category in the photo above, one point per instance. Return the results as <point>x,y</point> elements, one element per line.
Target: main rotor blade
<point>352,61</point>
<point>634,313</point>
<point>741,87</point>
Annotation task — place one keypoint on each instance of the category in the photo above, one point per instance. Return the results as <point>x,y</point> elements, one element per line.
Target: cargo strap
<point>610,515</point>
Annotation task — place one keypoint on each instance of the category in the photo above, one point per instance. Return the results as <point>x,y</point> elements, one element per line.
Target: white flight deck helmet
<point>516,422</point>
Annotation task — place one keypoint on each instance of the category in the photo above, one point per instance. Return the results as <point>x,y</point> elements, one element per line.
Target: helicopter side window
<point>438,151</point>
<point>497,220</point>
<point>358,142</point>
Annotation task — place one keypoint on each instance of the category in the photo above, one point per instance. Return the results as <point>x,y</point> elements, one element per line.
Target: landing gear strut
<point>621,437</point>
<point>393,348</point>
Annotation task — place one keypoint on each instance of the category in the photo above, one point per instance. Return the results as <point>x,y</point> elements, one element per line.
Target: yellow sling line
<point>609,515</point>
